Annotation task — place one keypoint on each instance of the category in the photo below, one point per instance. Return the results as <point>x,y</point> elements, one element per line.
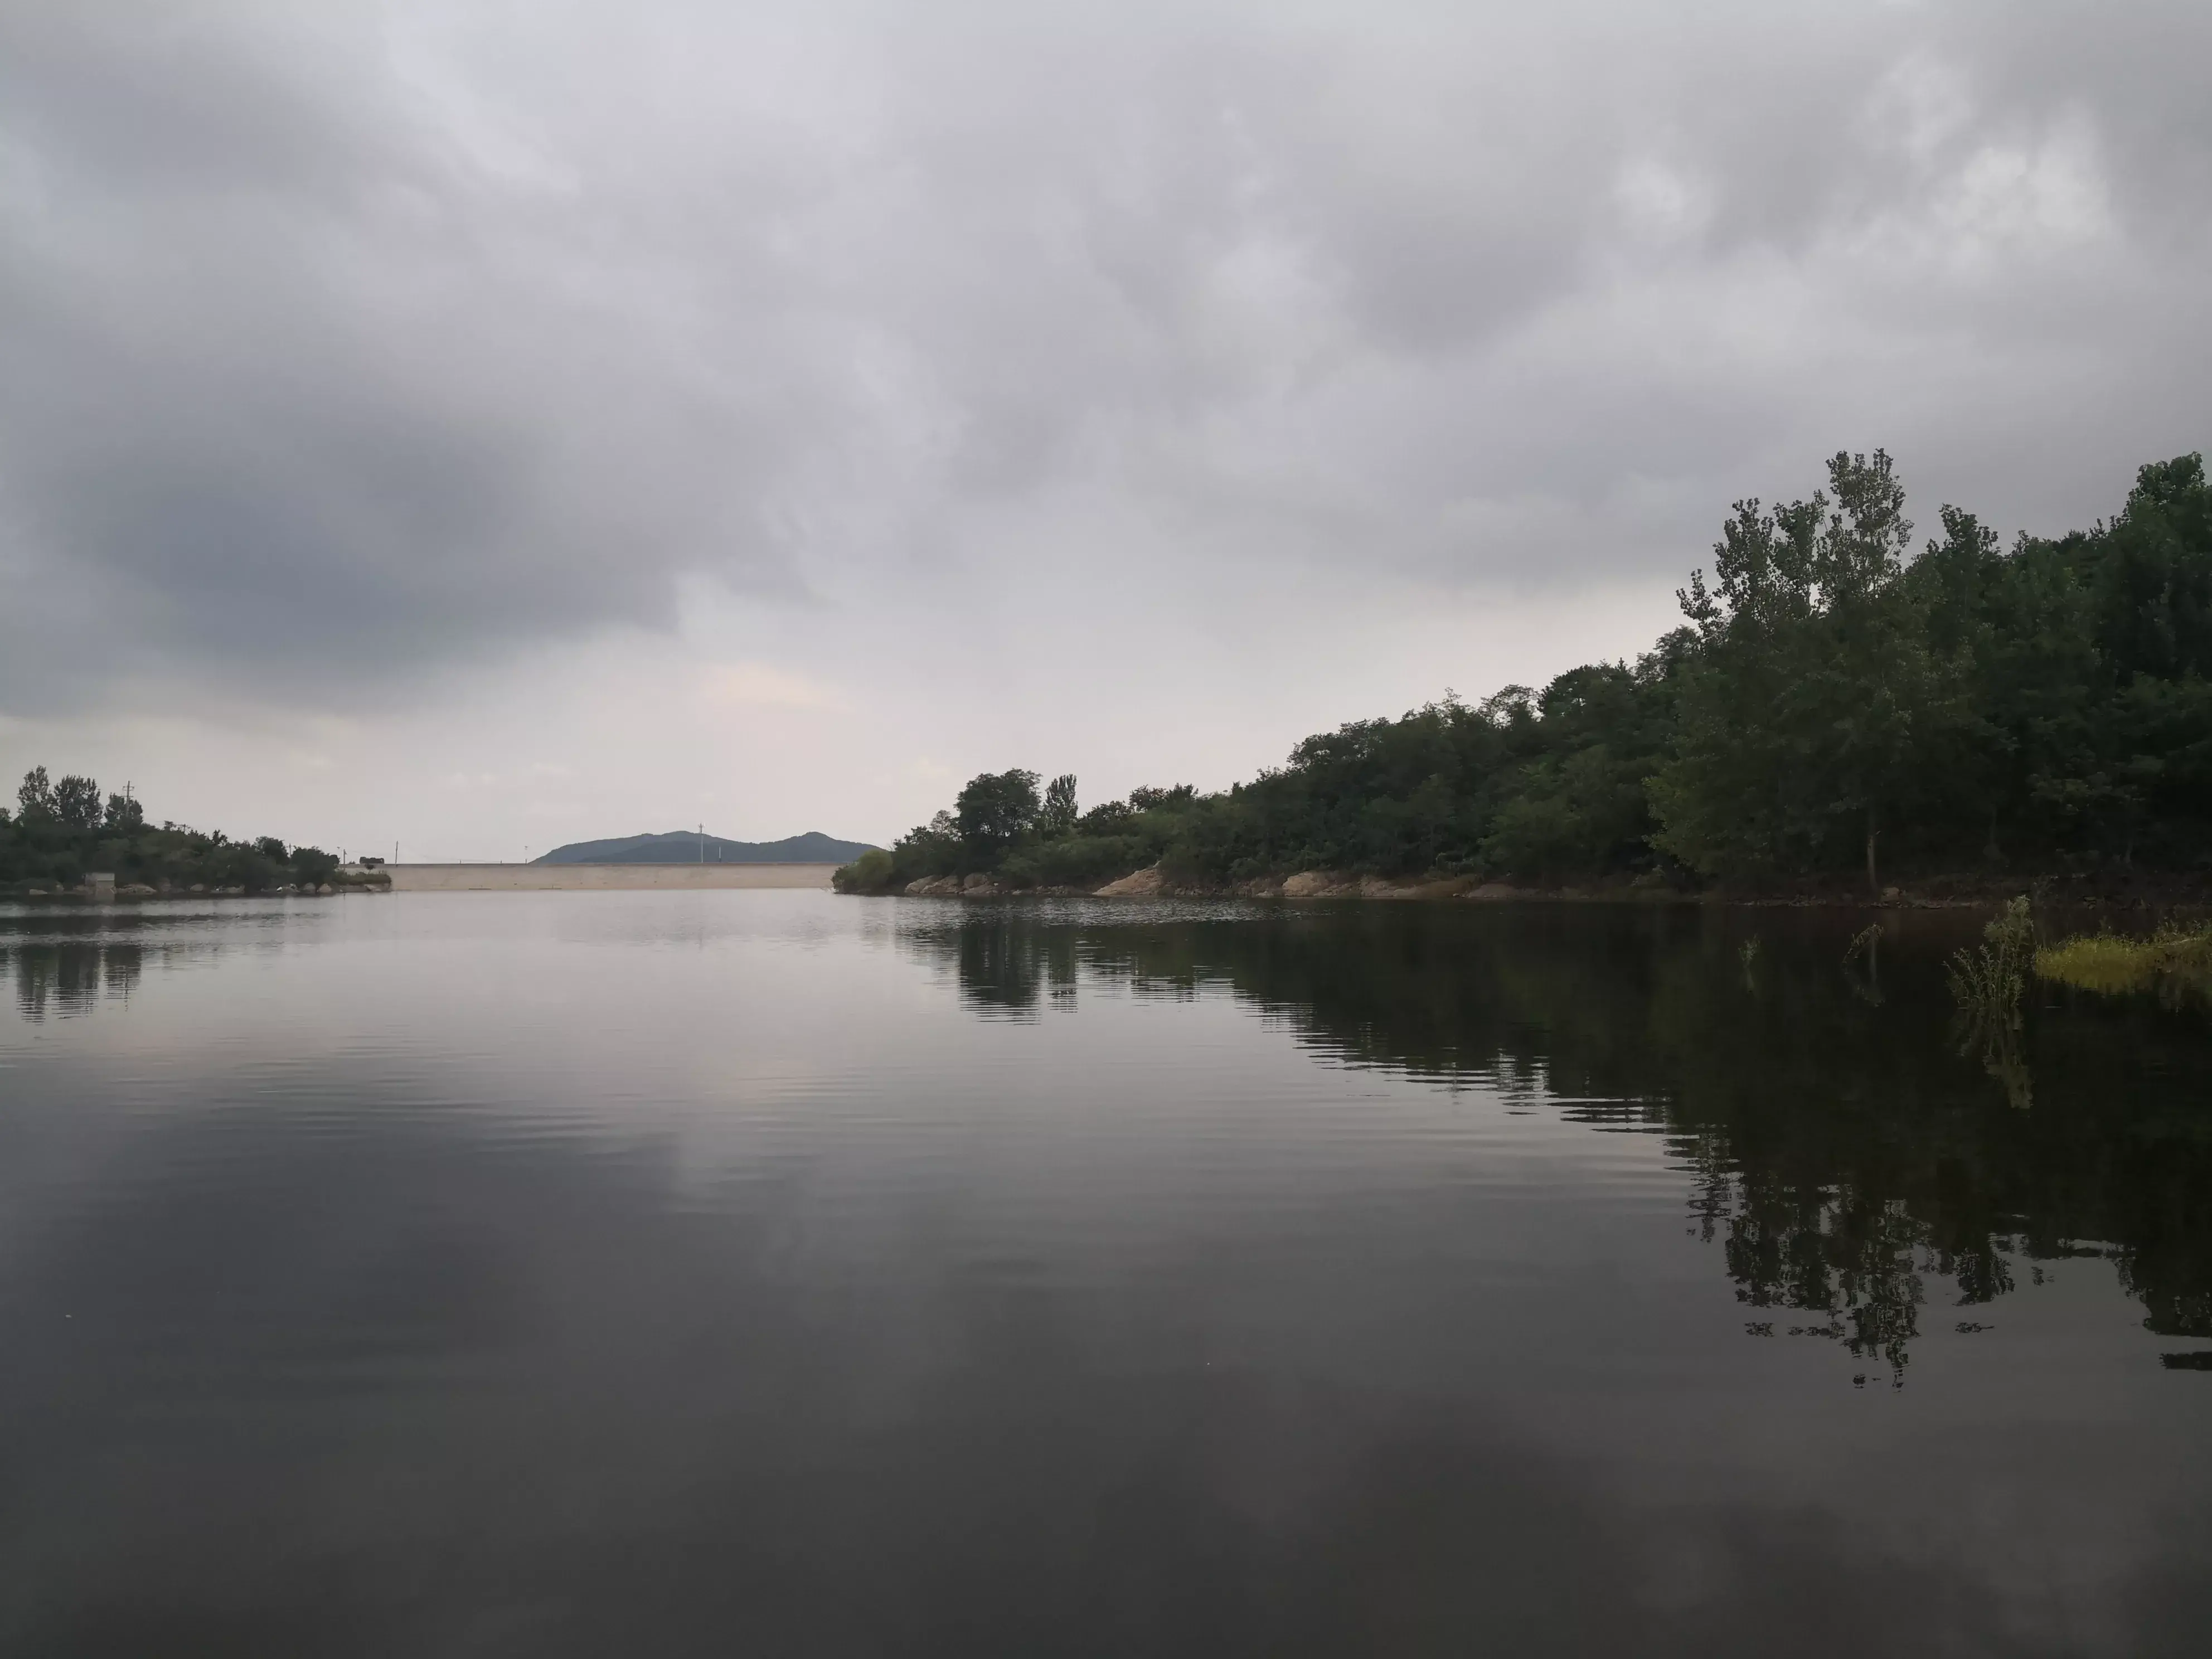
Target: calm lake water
<point>770,1272</point>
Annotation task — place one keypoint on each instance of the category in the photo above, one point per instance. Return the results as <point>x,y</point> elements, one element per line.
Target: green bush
<point>871,872</point>
<point>1076,861</point>
<point>312,866</point>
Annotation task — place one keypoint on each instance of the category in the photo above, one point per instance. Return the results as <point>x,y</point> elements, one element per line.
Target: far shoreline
<point>476,879</point>
<point>602,877</point>
<point>2117,889</point>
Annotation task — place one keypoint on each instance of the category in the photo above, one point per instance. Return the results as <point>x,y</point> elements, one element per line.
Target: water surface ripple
<point>767,1272</point>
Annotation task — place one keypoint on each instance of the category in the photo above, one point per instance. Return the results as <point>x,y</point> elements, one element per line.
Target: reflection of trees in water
<point>1843,1152</point>
<point>1011,969</point>
<point>1840,1255</point>
<point>71,977</point>
<point>1860,1257</point>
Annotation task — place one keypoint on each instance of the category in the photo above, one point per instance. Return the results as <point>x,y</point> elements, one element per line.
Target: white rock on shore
<point>1140,883</point>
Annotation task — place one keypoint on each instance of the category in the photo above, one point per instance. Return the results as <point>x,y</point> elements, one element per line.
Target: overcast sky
<point>484,425</point>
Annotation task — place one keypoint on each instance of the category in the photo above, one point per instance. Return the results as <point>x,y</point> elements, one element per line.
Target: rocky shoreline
<point>1150,882</point>
<point>2119,888</point>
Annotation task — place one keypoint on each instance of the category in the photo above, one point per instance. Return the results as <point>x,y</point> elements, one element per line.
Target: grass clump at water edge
<point>2171,959</point>
<point>1988,982</point>
<point>1988,985</point>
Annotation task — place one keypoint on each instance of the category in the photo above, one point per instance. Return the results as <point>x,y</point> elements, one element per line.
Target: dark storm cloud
<point>297,391</point>
<point>338,343</point>
<point>140,98</point>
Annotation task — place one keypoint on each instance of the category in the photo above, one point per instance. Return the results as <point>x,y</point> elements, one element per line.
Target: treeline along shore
<point>64,832</point>
<point>1839,714</point>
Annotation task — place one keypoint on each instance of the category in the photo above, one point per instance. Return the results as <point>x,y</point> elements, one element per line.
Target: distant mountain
<point>689,847</point>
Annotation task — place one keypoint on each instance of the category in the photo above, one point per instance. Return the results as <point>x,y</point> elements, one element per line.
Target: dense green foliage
<point>63,830</point>
<point>1834,703</point>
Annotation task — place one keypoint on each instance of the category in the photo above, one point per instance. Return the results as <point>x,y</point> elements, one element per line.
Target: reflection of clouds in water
<point>1130,1333</point>
<point>512,1378</point>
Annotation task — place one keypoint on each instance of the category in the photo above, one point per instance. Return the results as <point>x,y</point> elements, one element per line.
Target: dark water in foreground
<point>769,1273</point>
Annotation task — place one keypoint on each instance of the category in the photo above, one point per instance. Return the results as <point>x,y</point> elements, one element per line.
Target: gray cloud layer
<point>343,344</point>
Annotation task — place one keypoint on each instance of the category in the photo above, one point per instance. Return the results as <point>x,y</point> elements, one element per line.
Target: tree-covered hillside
<point>691,847</point>
<point>63,830</point>
<point>1834,703</point>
